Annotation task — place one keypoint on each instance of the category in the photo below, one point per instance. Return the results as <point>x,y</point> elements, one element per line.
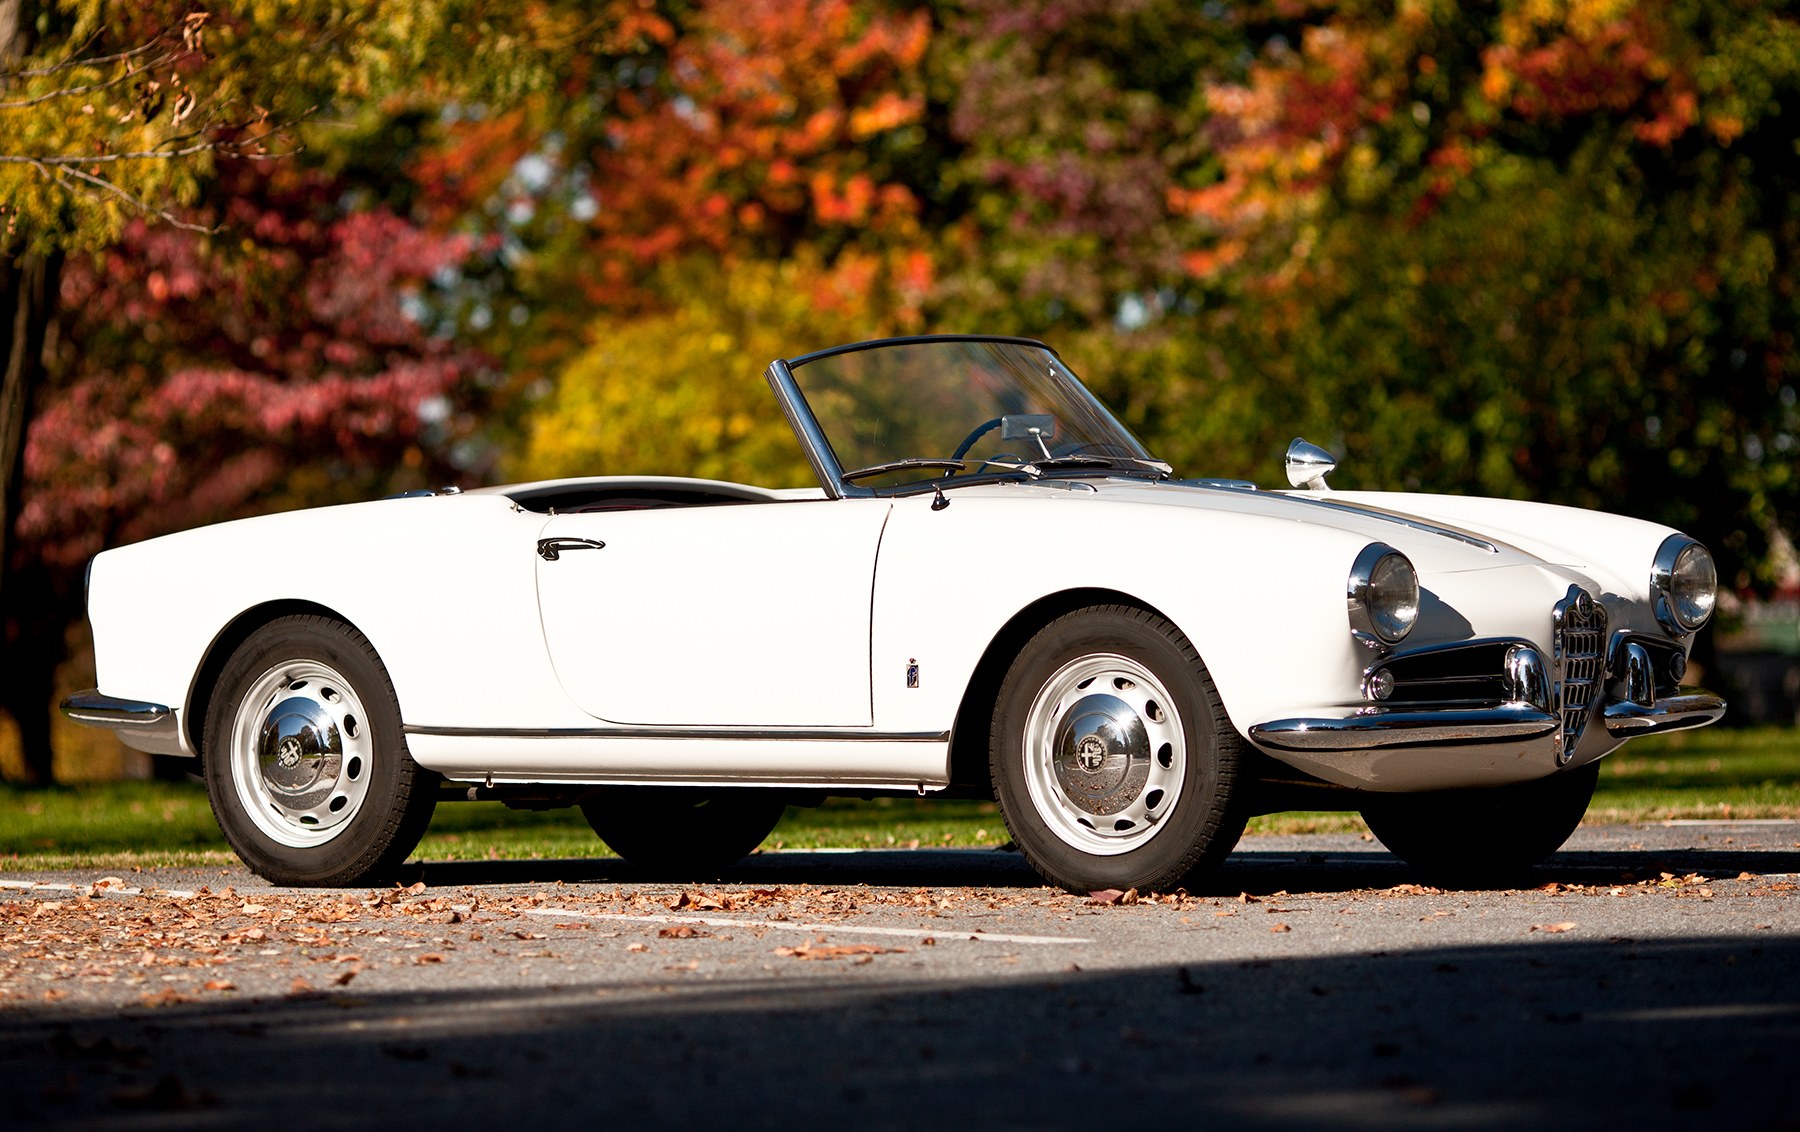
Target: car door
<point>733,615</point>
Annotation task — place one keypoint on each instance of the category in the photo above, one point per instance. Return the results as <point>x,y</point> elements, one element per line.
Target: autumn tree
<point>118,114</point>
<point>766,168</point>
<point>1541,250</point>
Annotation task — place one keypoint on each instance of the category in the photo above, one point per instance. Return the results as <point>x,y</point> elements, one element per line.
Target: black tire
<point>1069,763</point>
<point>1472,837</point>
<point>683,832</point>
<point>279,755</point>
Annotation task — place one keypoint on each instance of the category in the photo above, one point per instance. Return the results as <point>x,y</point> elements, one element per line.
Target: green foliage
<point>1545,251</point>
<point>122,108</point>
<point>680,391</point>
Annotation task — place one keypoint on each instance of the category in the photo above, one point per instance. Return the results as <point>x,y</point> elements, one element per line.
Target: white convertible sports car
<point>993,589</point>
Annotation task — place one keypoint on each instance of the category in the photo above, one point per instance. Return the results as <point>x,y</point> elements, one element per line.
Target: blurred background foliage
<point>1534,248</point>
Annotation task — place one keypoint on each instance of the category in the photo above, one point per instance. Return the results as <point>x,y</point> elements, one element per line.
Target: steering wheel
<point>981,430</point>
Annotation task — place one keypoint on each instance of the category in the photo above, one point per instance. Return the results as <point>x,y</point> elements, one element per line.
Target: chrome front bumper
<point>1380,728</point>
<point>151,728</point>
<point>1691,707</point>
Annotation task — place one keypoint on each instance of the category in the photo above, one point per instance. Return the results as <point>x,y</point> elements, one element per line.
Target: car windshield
<point>943,408</point>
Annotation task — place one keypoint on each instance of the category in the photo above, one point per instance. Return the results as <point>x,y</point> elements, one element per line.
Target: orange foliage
<point>1284,135</point>
<point>762,141</point>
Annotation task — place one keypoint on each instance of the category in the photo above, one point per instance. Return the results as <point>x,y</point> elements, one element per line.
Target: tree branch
<point>69,92</point>
<point>61,175</point>
<point>72,62</point>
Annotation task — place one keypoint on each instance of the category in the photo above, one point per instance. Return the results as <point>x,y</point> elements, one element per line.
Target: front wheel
<point>305,762</point>
<point>683,832</point>
<point>1113,761</point>
<point>1483,836</point>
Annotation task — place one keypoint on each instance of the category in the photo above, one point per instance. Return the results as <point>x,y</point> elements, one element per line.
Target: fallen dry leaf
<point>702,901</point>
<point>836,951</point>
<point>219,984</point>
<point>165,997</point>
<point>429,957</point>
<point>1564,926</point>
<point>343,979</point>
<point>1280,928</point>
<point>637,947</point>
<point>682,931</point>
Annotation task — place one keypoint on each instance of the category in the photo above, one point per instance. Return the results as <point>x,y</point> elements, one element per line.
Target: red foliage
<point>215,375</point>
<point>1619,67</point>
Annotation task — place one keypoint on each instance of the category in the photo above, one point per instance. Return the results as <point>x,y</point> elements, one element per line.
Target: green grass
<point>1752,773</point>
<point>119,825</point>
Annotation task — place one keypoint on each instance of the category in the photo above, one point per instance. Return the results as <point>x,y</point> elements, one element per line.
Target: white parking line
<point>94,890</point>
<point>1728,821</point>
<point>945,933</point>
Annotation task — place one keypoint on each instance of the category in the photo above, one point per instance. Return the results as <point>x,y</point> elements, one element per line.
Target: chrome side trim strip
<point>1390,729</point>
<point>832,735</point>
<point>140,725</point>
<point>1393,517</point>
<point>1690,708</point>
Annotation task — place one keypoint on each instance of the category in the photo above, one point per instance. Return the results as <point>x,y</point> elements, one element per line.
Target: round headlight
<point>1384,594</point>
<point>1684,584</point>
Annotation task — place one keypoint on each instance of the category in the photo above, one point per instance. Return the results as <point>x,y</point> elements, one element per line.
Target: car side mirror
<point>1308,465</point>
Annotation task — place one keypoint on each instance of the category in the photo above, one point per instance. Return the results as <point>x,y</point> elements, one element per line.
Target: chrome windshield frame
<point>806,428</point>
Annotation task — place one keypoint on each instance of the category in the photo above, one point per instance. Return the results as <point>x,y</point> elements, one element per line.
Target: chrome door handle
<point>551,549</point>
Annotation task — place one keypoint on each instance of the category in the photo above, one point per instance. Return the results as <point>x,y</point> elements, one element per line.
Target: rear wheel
<point>683,831</point>
<point>305,763</point>
<point>1483,836</point>
<point>1112,759</point>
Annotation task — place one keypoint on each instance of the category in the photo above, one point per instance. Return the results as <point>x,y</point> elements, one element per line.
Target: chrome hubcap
<point>300,753</point>
<point>1105,754</point>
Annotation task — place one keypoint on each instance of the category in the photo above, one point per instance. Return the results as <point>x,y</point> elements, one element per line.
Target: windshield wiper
<point>1036,468</point>
<point>907,464</point>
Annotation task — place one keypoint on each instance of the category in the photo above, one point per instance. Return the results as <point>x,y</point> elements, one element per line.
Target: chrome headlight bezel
<point>1383,605</point>
<point>1676,559</point>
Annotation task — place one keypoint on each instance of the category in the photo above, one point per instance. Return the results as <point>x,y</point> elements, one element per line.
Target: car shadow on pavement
<point>1255,871</point>
<point>1554,1032</point>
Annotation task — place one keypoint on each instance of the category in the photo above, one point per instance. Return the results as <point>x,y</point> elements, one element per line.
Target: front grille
<point>1580,646</point>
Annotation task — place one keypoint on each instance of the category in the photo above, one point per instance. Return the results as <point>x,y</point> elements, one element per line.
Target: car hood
<point>1442,534</point>
<point>1433,544</point>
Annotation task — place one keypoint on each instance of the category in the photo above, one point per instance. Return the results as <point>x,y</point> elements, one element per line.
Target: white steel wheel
<point>1112,760</point>
<point>304,759</point>
<point>1105,755</point>
<point>300,753</point>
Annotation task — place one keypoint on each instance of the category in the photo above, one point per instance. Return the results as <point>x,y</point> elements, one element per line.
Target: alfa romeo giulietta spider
<point>994,589</point>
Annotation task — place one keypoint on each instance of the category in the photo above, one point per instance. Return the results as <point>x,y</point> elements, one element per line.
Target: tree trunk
<point>28,294</point>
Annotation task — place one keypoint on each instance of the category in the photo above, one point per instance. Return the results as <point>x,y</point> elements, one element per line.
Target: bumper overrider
<point>1642,695</point>
<point>151,728</point>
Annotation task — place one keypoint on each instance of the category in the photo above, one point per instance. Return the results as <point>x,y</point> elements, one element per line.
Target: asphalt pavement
<point>1645,977</point>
